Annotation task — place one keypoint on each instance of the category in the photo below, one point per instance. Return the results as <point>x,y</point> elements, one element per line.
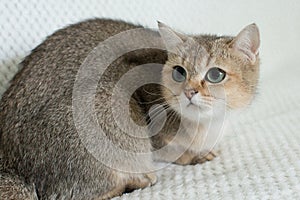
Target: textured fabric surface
<point>260,158</point>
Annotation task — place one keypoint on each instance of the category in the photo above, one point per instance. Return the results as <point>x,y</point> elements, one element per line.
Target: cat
<point>44,156</point>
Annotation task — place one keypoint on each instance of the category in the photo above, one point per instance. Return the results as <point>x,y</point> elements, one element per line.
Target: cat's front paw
<point>203,158</point>
<point>190,158</point>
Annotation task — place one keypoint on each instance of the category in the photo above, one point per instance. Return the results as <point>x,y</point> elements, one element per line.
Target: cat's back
<point>49,72</point>
<point>38,102</point>
<point>58,58</point>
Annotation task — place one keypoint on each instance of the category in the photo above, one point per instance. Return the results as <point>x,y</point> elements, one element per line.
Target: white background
<point>25,23</point>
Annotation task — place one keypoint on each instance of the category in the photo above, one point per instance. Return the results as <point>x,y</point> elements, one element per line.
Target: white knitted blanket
<point>260,158</point>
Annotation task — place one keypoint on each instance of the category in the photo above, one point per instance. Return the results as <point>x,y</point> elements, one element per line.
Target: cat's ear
<point>170,37</point>
<point>247,42</point>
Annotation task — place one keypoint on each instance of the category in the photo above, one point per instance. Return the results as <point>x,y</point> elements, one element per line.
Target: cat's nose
<point>190,93</point>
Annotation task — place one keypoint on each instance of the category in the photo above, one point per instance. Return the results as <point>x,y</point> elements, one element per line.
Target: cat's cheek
<point>240,101</point>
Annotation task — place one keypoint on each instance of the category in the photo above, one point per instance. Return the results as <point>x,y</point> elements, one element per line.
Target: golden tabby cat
<point>44,155</point>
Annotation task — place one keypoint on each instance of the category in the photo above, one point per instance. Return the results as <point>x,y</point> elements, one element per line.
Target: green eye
<point>179,74</point>
<point>215,75</point>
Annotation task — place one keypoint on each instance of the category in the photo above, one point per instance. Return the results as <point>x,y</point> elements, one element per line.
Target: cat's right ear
<point>171,38</point>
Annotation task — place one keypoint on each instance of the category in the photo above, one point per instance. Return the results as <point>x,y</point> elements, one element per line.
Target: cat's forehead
<point>200,53</point>
<point>195,57</point>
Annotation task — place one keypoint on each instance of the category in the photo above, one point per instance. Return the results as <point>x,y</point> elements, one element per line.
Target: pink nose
<point>190,93</point>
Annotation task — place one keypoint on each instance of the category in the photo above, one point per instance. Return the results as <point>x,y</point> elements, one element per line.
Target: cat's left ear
<point>247,42</point>
<point>171,38</point>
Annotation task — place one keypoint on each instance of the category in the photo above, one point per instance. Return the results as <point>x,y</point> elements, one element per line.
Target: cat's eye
<point>179,74</point>
<point>215,75</point>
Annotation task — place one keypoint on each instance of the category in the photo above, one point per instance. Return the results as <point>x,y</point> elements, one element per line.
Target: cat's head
<point>206,71</point>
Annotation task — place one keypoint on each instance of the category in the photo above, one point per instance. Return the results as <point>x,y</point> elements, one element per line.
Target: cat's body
<point>39,138</point>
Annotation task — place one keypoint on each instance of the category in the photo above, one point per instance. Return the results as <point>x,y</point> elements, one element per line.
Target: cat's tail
<point>14,188</point>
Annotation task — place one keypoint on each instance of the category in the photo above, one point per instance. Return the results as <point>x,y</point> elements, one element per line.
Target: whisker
<point>156,100</point>
<point>150,102</point>
<point>158,112</point>
<point>154,119</point>
<point>158,107</point>
<point>208,103</point>
<point>173,117</point>
<point>151,93</point>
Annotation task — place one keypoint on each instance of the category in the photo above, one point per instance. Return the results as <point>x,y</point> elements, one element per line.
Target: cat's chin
<point>196,113</point>
<point>192,111</point>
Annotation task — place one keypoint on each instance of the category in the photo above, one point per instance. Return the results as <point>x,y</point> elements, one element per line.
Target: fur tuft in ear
<point>170,37</point>
<point>247,42</point>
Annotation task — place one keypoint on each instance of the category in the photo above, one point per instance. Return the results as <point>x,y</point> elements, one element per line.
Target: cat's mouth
<point>191,108</point>
<point>195,106</point>
<point>191,104</point>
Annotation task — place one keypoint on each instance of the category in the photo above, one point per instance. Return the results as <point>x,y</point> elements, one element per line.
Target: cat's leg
<point>132,172</point>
